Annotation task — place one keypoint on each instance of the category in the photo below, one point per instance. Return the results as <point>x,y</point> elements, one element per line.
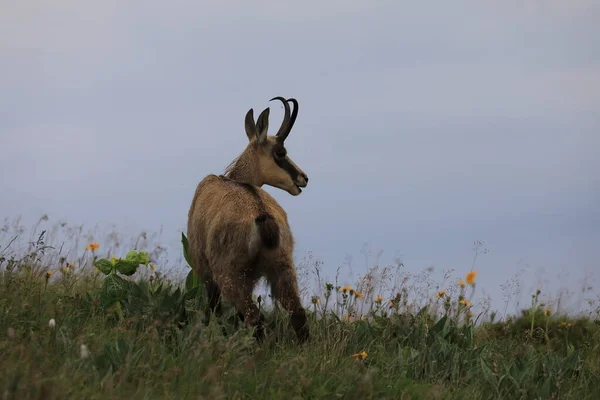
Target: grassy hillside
<point>115,328</point>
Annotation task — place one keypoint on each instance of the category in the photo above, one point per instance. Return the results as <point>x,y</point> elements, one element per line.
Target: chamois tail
<point>268,230</point>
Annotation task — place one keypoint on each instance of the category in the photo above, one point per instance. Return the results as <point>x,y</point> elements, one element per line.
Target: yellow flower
<point>471,277</point>
<point>360,356</point>
<point>72,266</point>
<point>315,300</point>
<point>64,270</point>
<point>345,289</point>
<point>152,267</point>
<point>441,293</point>
<point>379,299</point>
<point>93,246</point>
<point>359,295</point>
<point>547,312</point>
<point>469,314</point>
<point>461,283</point>
<point>49,274</point>
<point>465,303</point>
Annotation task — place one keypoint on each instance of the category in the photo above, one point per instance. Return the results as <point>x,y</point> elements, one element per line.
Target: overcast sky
<point>422,128</point>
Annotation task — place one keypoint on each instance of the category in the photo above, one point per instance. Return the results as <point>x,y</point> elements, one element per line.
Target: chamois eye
<point>281,153</point>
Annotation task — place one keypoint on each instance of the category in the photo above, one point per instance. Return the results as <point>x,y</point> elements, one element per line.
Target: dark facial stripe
<point>288,167</point>
<point>284,162</point>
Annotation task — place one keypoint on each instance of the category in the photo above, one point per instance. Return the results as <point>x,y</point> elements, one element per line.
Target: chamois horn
<point>288,121</point>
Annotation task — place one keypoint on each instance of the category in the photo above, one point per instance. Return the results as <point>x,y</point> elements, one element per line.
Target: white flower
<point>52,323</point>
<point>84,351</point>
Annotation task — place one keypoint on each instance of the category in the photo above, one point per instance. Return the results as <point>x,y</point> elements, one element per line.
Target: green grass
<point>139,349</point>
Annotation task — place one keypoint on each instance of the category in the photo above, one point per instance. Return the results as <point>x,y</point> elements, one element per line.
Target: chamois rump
<point>238,233</point>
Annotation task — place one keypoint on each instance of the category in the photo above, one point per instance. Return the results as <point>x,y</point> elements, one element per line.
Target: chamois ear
<point>262,126</point>
<point>250,125</point>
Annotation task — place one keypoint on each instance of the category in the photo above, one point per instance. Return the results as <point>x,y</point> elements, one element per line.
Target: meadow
<point>82,318</point>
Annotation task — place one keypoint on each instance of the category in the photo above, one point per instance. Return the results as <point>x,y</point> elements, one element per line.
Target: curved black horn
<point>294,114</point>
<point>284,130</point>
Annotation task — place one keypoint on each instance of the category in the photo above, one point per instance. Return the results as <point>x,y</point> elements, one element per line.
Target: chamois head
<point>265,160</point>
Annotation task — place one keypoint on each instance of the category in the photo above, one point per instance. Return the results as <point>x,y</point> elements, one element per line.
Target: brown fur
<point>238,233</point>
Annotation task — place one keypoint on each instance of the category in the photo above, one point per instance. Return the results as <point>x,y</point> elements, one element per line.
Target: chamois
<point>238,233</point>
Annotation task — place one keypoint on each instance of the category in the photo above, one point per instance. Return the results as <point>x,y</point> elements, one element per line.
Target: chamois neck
<point>243,170</point>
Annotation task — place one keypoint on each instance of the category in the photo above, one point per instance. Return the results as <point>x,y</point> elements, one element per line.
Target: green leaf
<point>138,257</point>
<point>104,266</point>
<point>190,294</point>
<point>191,281</point>
<point>184,242</point>
<point>440,326</point>
<point>126,267</point>
<point>114,289</point>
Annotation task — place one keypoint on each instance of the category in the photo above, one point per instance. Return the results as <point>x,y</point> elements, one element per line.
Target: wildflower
<point>441,293</point>
<point>345,289</point>
<point>71,266</point>
<point>10,332</point>
<point>93,246</point>
<point>461,283</point>
<point>359,295</point>
<point>471,277</point>
<point>84,351</point>
<point>470,314</point>
<point>547,312</point>
<point>64,270</point>
<point>465,303</point>
<point>315,300</point>
<point>152,267</point>
<point>52,323</point>
<point>360,356</point>
<point>379,299</point>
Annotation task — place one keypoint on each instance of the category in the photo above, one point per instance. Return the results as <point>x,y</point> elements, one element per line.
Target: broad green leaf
<point>114,289</point>
<point>139,257</point>
<point>144,258</point>
<point>440,326</point>
<point>184,242</point>
<point>191,281</point>
<point>126,267</point>
<point>104,266</point>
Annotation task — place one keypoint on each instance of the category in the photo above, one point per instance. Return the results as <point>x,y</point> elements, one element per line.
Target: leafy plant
<point>116,289</point>
<point>191,280</point>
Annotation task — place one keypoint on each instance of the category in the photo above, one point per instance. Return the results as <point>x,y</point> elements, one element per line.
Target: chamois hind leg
<point>240,294</point>
<point>214,300</point>
<point>284,287</point>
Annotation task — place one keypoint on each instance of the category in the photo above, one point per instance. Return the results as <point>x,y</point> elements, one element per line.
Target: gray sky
<point>421,128</point>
